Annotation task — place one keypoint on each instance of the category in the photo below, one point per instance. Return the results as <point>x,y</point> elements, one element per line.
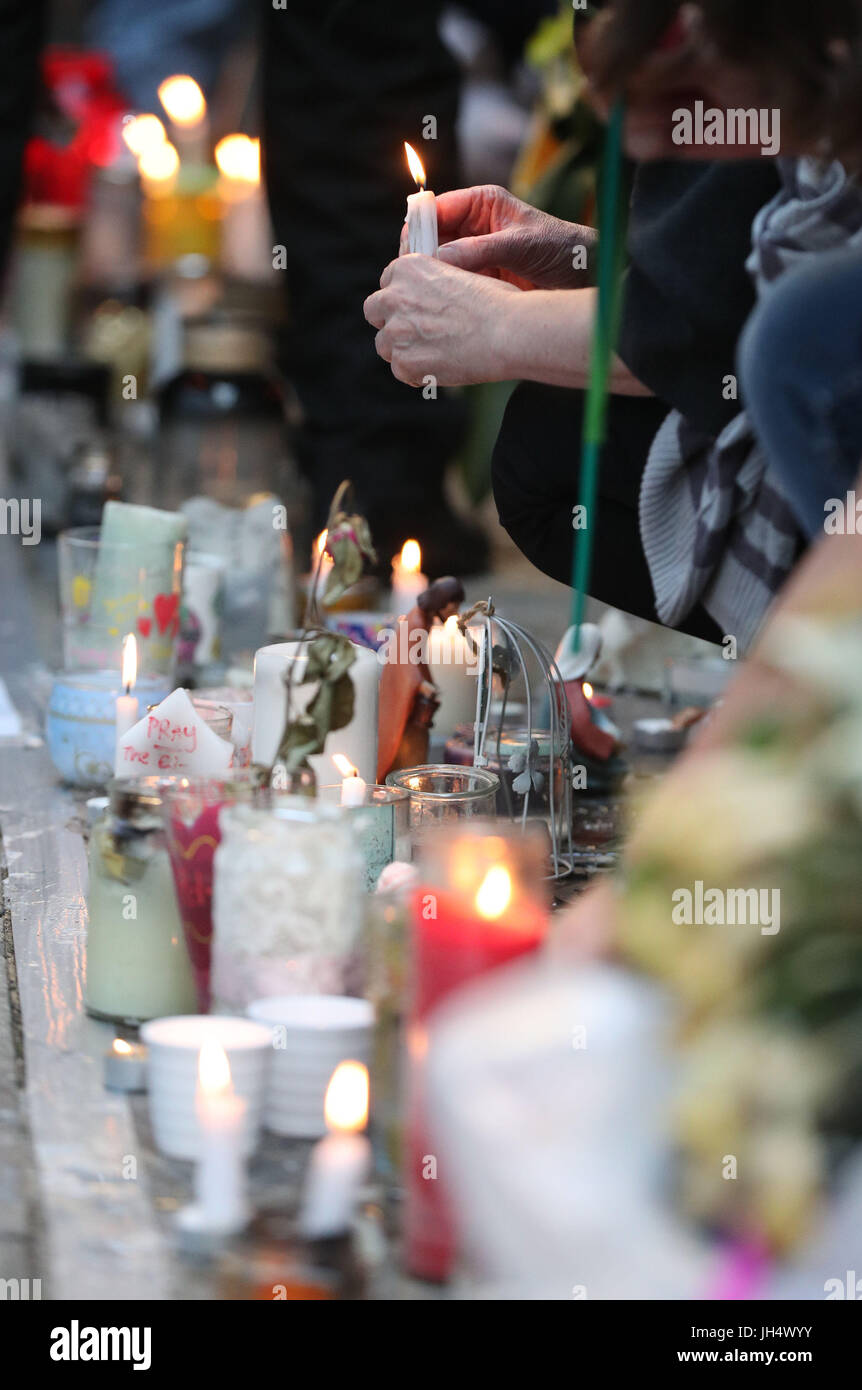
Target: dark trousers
<point>345,83</point>
<point>536,486</point>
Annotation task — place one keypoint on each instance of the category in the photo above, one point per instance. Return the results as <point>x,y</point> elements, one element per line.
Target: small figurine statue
<point>408,695</point>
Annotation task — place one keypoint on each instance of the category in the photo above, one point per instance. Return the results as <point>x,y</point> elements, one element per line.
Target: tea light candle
<point>341,1162</point>
<point>127,704</point>
<point>126,1066</point>
<point>353,787</point>
<point>408,581</point>
<point>421,210</point>
<point>220,1174</point>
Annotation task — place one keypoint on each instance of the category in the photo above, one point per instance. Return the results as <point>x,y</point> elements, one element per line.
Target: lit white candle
<point>454,670</point>
<point>220,1202</point>
<point>353,787</point>
<point>186,109</point>
<point>321,567</point>
<point>408,581</point>
<point>126,715</point>
<point>341,1162</point>
<point>421,210</point>
<point>245,229</point>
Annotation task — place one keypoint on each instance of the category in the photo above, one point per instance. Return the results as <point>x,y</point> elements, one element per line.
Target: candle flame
<point>159,163</point>
<point>120,1046</point>
<point>346,1104</point>
<point>417,168</point>
<point>411,557</point>
<point>130,661</point>
<point>344,765</point>
<point>142,133</point>
<point>238,157</point>
<point>588,690</point>
<point>451,624</point>
<point>213,1067</point>
<point>495,893</point>
<point>183,100</point>
<point>321,542</point>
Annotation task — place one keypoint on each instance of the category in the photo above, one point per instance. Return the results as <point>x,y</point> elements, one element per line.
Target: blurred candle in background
<point>186,109</point>
<point>408,581</point>
<point>127,703</point>
<point>341,1162</point>
<point>480,904</point>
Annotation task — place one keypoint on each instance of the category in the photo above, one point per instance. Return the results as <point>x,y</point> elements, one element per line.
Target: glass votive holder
<point>217,717</point>
<point>110,589</point>
<point>381,826</point>
<point>441,793</point>
<point>287,902</point>
<point>387,922</point>
<point>81,722</point>
<point>138,964</point>
<point>191,814</point>
<point>481,903</point>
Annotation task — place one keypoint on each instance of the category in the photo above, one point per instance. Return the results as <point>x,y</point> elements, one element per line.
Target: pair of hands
<point>450,318</point>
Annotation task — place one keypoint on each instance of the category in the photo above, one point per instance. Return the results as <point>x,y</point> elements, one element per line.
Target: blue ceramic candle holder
<point>80,726</point>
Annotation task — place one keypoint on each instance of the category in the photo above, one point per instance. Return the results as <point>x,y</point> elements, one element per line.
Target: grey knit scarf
<point>716,526</point>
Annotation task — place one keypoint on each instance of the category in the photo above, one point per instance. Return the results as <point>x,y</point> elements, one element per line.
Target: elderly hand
<point>437,320</point>
<point>489,230</point>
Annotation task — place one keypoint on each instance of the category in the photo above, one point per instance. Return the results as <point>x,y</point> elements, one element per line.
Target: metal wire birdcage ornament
<point>505,649</point>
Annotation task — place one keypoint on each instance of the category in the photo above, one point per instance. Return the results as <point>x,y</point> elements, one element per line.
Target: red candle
<point>456,937</point>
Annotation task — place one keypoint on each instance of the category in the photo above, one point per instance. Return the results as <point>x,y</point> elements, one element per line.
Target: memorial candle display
<point>127,703</point>
<point>408,581</point>
<point>489,908</point>
<point>421,210</point>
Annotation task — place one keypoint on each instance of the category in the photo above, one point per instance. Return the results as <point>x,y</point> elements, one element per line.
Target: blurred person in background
<point>344,85</point>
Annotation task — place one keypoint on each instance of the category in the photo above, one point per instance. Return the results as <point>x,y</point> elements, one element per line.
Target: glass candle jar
<point>138,966</point>
<point>110,588</point>
<point>444,792</point>
<point>287,902</point>
<point>481,903</point>
<point>192,807</point>
<point>380,825</point>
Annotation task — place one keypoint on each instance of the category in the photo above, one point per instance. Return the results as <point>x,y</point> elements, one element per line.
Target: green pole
<point>612,223</point>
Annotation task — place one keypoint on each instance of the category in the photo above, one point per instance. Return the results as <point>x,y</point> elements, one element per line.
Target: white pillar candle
<point>408,581</point>
<point>454,670</point>
<point>357,741</point>
<point>220,1174</point>
<point>421,210</point>
<point>341,1162</point>
<point>126,715</point>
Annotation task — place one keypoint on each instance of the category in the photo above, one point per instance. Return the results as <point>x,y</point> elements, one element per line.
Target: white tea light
<point>126,1066</point>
